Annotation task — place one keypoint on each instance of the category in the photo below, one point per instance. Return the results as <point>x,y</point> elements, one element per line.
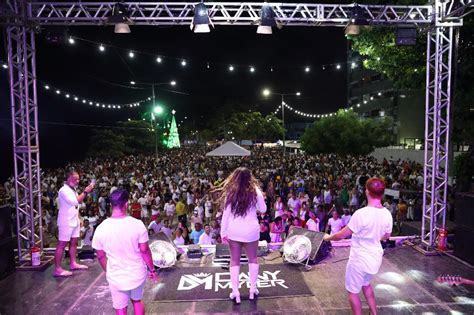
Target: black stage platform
<point>405,285</point>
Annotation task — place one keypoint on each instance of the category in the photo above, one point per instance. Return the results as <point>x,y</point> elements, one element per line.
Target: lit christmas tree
<point>173,139</point>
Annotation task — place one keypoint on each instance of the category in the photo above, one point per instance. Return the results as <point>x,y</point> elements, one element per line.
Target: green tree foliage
<point>254,126</point>
<point>130,137</point>
<point>345,133</point>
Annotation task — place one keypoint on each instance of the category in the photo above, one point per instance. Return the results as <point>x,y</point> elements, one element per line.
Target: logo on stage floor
<point>221,280</point>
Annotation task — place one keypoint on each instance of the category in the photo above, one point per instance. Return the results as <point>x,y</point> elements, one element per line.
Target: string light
<point>97,104</point>
<point>132,82</point>
<point>252,69</point>
<point>231,68</point>
<point>4,66</point>
<point>159,59</point>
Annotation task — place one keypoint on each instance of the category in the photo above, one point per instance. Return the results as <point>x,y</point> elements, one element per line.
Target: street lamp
<point>267,93</point>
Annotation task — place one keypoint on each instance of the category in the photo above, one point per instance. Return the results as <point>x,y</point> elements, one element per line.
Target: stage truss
<point>22,18</point>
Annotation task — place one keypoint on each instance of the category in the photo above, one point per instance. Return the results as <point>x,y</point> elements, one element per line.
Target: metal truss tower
<point>22,16</point>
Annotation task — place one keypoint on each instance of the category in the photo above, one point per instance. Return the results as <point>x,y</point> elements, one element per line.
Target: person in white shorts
<point>68,223</point>
<point>368,226</point>
<point>121,244</point>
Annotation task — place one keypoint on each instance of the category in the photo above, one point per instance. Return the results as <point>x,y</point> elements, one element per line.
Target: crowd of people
<point>173,192</point>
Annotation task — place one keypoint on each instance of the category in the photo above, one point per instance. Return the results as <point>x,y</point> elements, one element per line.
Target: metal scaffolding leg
<point>437,117</point>
<point>24,110</point>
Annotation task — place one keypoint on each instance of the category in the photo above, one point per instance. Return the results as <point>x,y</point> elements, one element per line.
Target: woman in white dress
<point>241,198</point>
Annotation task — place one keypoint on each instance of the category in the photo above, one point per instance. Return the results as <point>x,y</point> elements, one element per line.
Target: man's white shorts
<point>67,232</point>
<point>356,279</point>
<point>120,298</point>
<point>144,213</point>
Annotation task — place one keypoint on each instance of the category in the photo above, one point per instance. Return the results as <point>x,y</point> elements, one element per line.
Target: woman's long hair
<point>239,191</point>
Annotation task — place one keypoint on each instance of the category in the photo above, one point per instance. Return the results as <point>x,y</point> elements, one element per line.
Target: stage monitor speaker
<point>7,257</point>
<point>319,248</point>
<point>5,223</point>
<point>463,237</point>
<point>464,211</point>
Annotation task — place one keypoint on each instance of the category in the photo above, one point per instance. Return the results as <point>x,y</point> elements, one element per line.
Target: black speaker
<point>463,237</point>
<point>464,211</point>
<point>319,248</point>
<point>5,223</point>
<point>7,257</point>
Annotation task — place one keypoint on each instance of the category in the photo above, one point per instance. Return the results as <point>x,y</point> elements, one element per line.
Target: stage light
<point>358,105</point>
<point>266,92</point>
<point>298,93</point>
<point>158,110</point>
<point>46,87</point>
<point>365,102</point>
<point>338,66</point>
<point>371,98</point>
<point>67,95</point>
<point>231,68</point>
<point>91,103</point>
<point>58,92</point>
<point>131,54</point>
<point>252,69</point>
<point>307,69</point>
<point>183,63</point>
<point>118,106</point>
<point>120,18</point>
<point>173,112</point>
<point>296,249</point>
<point>158,59</point>
<point>76,98</point>
<point>4,66</point>
<point>201,19</point>
<point>132,82</point>
<point>71,40</point>
<point>103,106</point>
<point>379,93</point>
<point>101,48</point>
<point>84,101</point>
<point>173,83</point>
<point>267,20</point>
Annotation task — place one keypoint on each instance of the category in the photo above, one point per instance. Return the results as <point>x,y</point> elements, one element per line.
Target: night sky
<point>82,70</point>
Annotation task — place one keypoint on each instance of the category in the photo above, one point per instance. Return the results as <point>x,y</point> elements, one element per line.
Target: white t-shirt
<point>156,227</point>
<point>87,240</point>
<point>119,238</point>
<point>368,226</point>
<point>68,207</point>
<point>143,202</point>
<point>336,225</point>
<point>346,219</point>
<point>170,208</point>
<point>205,239</point>
<point>313,225</point>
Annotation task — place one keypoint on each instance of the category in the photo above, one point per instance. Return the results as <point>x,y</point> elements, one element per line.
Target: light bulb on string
<point>131,54</point>
<point>338,66</point>
<point>307,69</point>
<point>46,87</point>
<point>208,66</point>
<point>183,63</point>
<point>158,59</point>
<point>101,48</point>
<point>252,69</point>
<point>71,40</point>
<point>231,68</point>
<point>58,92</point>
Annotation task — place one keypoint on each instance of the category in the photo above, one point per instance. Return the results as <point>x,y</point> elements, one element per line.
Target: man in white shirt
<point>335,223</point>
<point>206,237</point>
<point>86,233</point>
<point>367,226</point>
<point>68,223</point>
<point>143,201</point>
<point>121,244</point>
<point>155,226</point>
<point>313,223</point>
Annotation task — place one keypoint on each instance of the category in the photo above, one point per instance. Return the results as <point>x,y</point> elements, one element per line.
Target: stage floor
<point>405,285</point>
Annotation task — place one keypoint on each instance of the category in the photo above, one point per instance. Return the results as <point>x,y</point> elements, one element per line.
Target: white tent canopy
<point>229,149</point>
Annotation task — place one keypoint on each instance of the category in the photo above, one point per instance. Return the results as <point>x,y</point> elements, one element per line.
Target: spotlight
<point>201,19</point>
<point>267,20</point>
<point>120,18</point>
<point>101,48</point>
